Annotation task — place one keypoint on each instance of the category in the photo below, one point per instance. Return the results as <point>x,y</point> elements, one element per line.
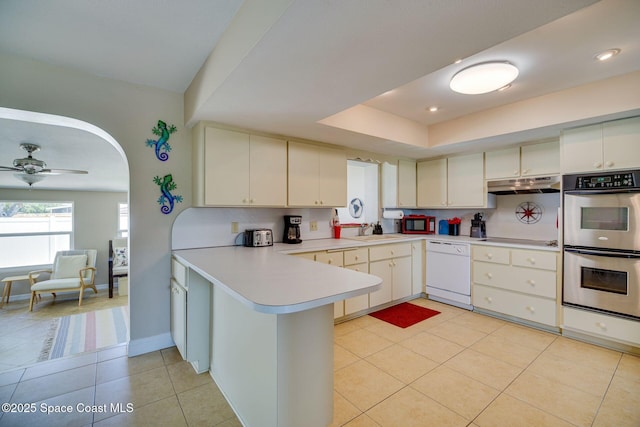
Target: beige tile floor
<point>455,369</point>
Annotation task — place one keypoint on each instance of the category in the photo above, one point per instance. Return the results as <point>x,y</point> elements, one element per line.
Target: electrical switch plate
<point>234,227</point>
<point>313,225</point>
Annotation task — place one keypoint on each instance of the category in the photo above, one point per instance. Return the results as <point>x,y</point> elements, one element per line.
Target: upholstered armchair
<point>71,271</point>
<point>118,260</point>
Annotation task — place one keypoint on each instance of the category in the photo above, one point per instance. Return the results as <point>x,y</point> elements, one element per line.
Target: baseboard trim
<point>149,344</point>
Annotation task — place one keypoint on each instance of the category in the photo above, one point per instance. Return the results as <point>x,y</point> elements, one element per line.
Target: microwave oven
<point>419,224</point>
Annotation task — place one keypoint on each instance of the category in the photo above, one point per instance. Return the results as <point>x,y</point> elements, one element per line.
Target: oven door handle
<point>608,254</point>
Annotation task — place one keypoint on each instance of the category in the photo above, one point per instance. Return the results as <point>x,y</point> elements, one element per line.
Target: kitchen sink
<point>374,237</point>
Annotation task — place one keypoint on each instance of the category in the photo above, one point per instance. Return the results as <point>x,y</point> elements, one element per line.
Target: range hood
<point>545,184</point>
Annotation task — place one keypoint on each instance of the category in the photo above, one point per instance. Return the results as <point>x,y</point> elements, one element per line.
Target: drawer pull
<point>531,282</point>
<point>490,276</point>
<point>329,261</point>
<point>531,260</point>
<point>601,325</point>
<point>531,309</point>
<point>392,252</point>
<point>357,257</point>
<point>489,299</point>
<point>489,255</point>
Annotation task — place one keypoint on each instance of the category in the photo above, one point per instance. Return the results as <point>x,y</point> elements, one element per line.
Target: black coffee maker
<point>478,226</point>
<point>292,229</point>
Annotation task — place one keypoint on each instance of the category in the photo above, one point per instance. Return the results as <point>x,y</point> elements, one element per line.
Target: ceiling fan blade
<point>9,169</point>
<point>62,171</point>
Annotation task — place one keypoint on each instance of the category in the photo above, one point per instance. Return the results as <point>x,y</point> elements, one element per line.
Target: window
<point>32,232</point>
<point>123,220</point>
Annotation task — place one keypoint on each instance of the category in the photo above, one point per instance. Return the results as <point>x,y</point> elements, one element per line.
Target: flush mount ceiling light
<point>483,78</point>
<point>607,54</point>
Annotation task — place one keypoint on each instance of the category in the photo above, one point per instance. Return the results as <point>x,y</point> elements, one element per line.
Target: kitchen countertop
<point>272,282</point>
<point>269,281</point>
<point>351,242</point>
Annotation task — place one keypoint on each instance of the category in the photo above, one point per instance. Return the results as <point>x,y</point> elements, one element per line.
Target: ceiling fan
<point>32,170</point>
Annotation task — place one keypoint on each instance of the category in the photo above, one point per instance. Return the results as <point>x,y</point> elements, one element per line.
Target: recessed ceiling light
<point>433,109</point>
<point>607,54</point>
<point>483,78</point>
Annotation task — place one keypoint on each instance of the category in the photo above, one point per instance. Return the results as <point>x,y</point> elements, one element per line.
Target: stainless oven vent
<point>546,184</point>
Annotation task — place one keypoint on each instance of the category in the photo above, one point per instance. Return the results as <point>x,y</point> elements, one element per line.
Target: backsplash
<point>502,220</point>
<point>205,227</point>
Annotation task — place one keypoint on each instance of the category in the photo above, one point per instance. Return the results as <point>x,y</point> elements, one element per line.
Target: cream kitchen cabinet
<point>611,145</point>
<point>399,184</point>
<point>335,258</point>
<point>239,169</point>
<point>529,160</point>
<point>417,267</point>
<point>189,315</point>
<point>599,326</point>
<point>432,184</point>
<point>317,176</point>
<point>516,282</point>
<point>356,259</point>
<point>454,182</point>
<point>392,263</point>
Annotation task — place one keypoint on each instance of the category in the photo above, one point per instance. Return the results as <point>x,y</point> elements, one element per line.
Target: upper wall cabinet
<point>317,176</point>
<point>399,184</point>
<point>455,182</point>
<point>529,160</point>
<point>611,145</point>
<point>239,169</point>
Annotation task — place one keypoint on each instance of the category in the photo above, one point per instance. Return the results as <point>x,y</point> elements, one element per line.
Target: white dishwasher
<point>449,273</point>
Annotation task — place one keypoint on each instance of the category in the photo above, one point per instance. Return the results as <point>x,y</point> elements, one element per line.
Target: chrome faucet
<point>365,230</point>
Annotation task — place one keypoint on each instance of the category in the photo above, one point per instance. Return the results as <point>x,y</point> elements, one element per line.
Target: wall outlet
<point>234,227</point>
<point>313,225</point>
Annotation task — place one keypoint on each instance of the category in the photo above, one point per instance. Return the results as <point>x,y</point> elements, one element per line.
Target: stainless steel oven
<point>602,242</point>
<point>603,280</point>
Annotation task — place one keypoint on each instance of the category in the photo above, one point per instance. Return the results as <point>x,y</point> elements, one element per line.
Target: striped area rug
<point>84,332</point>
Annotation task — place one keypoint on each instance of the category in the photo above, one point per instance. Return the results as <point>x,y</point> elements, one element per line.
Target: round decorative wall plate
<point>356,208</point>
<point>528,212</point>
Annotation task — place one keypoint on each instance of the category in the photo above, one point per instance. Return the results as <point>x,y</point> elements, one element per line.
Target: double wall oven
<point>602,242</point>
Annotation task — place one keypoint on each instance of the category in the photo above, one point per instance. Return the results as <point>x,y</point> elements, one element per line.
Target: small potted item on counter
<point>454,226</point>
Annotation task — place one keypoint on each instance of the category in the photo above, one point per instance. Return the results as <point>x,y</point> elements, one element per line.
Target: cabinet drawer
<point>609,327</point>
<point>179,272</point>
<point>307,255</point>
<point>528,307</point>
<point>356,256</point>
<point>534,259</point>
<point>491,254</point>
<point>332,258</point>
<point>525,280</point>
<point>389,251</point>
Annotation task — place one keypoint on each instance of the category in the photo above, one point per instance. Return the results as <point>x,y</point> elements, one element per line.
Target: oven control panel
<point>607,181</point>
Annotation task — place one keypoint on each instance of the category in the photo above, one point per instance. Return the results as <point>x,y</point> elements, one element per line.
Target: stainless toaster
<point>258,237</point>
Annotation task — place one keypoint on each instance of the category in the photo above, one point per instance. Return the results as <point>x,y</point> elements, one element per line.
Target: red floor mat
<point>404,315</point>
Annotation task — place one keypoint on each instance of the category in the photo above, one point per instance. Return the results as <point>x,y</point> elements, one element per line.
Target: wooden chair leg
<point>81,294</point>
<point>33,297</point>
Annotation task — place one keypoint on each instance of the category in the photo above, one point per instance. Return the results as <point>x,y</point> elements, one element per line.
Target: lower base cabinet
<point>601,326</point>
<point>395,264</point>
<point>516,282</point>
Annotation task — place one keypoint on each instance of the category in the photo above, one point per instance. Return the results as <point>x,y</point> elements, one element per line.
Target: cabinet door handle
<point>251,200</point>
<point>531,282</point>
<point>601,325</point>
<point>489,275</point>
<point>531,309</point>
<point>489,299</point>
<point>329,261</point>
<point>609,164</point>
<point>526,171</point>
<point>244,200</point>
<point>597,165</point>
<point>316,202</point>
<point>516,172</point>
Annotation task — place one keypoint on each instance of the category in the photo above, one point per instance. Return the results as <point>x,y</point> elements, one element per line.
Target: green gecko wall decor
<point>167,200</point>
<point>162,146</point>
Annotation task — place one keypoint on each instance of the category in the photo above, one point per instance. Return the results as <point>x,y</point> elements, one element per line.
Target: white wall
<point>128,113</point>
<point>95,217</point>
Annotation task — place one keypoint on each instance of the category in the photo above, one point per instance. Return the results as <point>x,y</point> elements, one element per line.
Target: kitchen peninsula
<point>269,329</point>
